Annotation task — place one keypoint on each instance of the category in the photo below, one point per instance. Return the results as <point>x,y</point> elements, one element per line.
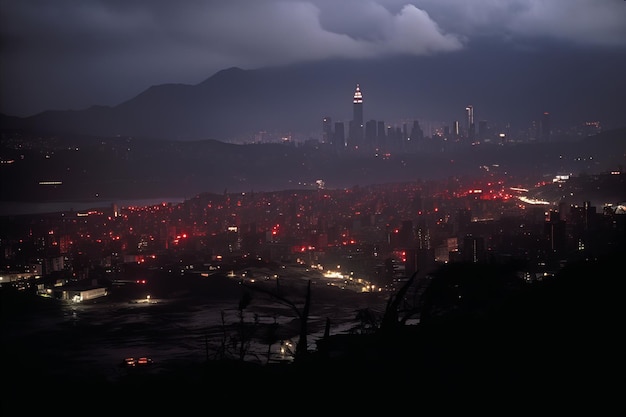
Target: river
<point>17,208</point>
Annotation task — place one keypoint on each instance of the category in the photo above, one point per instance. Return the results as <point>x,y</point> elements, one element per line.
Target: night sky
<point>64,54</point>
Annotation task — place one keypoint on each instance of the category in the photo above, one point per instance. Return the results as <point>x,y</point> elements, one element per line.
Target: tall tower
<point>469,110</point>
<point>356,131</point>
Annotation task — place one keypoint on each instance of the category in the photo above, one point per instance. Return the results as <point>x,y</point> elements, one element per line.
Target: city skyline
<point>510,60</point>
<point>269,204</point>
<point>367,133</point>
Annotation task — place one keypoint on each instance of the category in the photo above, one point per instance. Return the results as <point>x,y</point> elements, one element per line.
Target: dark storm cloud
<point>71,54</point>
<point>581,22</point>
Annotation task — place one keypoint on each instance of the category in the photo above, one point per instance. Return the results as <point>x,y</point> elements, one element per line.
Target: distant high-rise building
<point>463,221</point>
<point>356,126</point>
<point>370,134</point>
<point>555,232</point>
<point>546,129</point>
<point>456,130</point>
<point>358,106</point>
<point>394,138</point>
<point>483,130</point>
<point>533,130</point>
<point>474,249</point>
<point>327,130</point>
<point>469,110</point>
<point>339,136</point>
<point>417,133</point>
<point>381,133</point>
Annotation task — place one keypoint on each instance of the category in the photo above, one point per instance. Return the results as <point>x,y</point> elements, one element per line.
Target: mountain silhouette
<point>231,105</point>
<point>234,104</point>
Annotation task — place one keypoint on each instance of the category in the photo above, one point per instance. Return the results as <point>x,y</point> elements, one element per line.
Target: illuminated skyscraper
<point>358,106</point>
<point>469,110</point>
<point>356,125</point>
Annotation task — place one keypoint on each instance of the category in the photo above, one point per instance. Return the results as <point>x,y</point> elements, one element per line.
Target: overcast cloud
<point>66,54</point>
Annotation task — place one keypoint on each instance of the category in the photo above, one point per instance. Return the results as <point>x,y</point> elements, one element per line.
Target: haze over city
<point>319,207</point>
<point>428,60</point>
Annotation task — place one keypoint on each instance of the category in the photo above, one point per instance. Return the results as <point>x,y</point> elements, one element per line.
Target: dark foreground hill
<point>552,348</point>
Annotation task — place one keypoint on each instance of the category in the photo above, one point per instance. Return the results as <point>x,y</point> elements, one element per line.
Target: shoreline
<point>25,208</point>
